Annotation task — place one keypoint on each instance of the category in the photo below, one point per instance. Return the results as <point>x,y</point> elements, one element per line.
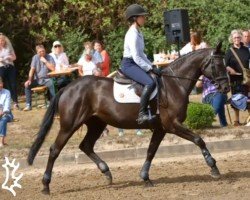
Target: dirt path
<point>175,178</point>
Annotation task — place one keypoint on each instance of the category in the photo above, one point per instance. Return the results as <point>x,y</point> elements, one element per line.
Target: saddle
<point>124,80</point>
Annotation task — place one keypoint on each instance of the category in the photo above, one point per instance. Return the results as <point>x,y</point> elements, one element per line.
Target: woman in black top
<point>234,68</point>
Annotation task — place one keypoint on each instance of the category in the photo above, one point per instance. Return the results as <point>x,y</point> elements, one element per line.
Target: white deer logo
<point>12,175</point>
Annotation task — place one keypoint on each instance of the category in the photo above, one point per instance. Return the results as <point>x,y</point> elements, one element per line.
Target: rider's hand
<point>156,70</point>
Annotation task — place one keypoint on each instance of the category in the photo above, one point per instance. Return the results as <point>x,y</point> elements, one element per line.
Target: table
<point>65,72</point>
<point>55,75</point>
<point>163,63</point>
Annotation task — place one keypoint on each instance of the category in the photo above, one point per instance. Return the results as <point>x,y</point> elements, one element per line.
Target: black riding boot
<point>143,112</point>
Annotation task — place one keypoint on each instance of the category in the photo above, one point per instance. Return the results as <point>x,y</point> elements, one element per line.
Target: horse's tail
<point>47,122</point>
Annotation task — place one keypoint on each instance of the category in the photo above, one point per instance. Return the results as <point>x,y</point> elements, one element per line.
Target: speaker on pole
<point>176,25</point>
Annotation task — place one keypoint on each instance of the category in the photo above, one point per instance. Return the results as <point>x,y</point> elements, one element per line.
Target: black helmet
<point>135,10</point>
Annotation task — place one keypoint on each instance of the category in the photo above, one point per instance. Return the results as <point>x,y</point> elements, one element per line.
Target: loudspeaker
<point>176,26</point>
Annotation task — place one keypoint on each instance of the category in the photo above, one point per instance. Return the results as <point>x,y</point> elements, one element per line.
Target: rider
<point>135,63</point>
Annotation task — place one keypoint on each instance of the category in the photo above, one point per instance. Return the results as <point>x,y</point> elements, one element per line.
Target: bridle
<point>210,60</point>
<point>215,76</point>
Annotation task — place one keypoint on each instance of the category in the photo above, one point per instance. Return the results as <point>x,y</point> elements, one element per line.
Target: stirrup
<point>142,118</point>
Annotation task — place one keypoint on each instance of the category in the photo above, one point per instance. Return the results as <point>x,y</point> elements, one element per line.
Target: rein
<point>182,77</point>
<point>210,61</point>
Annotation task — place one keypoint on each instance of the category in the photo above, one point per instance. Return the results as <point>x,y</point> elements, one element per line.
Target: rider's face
<point>141,20</point>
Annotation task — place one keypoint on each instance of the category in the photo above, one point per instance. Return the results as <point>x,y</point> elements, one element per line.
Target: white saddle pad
<point>124,94</point>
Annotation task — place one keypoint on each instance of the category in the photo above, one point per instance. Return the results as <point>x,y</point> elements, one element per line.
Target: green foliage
<point>28,22</point>
<point>73,40</point>
<point>199,116</point>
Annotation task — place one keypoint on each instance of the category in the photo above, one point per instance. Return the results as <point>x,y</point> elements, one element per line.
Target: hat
<point>56,43</point>
<point>135,10</point>
<point>1,79</point>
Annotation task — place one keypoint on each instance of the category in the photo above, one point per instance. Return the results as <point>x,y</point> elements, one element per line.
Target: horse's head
<point>215,69</point>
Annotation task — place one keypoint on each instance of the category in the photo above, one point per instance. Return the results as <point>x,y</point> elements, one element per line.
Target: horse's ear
<point>218,47</point>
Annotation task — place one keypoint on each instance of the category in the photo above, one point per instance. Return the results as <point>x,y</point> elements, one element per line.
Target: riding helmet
<point>135,10</point>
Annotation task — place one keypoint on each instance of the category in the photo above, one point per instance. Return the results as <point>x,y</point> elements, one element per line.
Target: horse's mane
<point>179,61</point>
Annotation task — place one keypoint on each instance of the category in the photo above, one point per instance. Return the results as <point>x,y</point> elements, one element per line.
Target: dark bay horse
<point>90,101</point>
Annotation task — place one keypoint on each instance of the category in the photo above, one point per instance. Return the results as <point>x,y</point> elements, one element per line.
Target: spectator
<point>87,66</point>
<point>59,56</point>
<point>96,56</point>
<point>38,75</point>
<point>62,63</point>
<point>212,96</point>
<point>5,112</point>
<point>246,38</point>
<point>194,44</point>
<point>234,68</point>
<point>105,66</point>
<point>121,132</point>
<point>7,68</point>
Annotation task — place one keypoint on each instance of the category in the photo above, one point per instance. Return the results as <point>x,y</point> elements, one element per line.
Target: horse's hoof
<point>149,183</point>
<point>109,177</point>
<point>215,173</point>
<point>46,191</point>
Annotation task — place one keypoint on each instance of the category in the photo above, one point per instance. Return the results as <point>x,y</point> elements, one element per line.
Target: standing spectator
<point>105,66</point>
<point>234,68</point>
<point>7,68</point>
<point>38,75</point>
<point>5,112</point>
<point>212,96</point>
<point>194,44</point>
<point>62,63</point>
<point>246,38</point>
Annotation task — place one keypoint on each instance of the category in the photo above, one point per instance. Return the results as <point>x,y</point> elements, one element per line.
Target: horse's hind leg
<point>185,133</point>
<point>55,150</point>
<point>95,128</point>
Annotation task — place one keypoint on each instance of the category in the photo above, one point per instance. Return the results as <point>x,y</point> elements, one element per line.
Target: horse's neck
<point>189,69</point>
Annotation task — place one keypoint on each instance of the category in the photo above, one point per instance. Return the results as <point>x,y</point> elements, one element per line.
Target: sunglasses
<point>57,46</point>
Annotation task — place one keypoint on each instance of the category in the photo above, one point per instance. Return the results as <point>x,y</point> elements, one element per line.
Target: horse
<point>89,100</point>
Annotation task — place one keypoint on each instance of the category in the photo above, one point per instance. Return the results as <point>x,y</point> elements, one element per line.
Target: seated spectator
<point>194,44</point>
<point>5,112</point>
<point>87,66</point>
<point>7,68</point>
<point>41,64</point>
<point>234,68</point>
<point>105,66</point>
<point>212,96</point>
<point>96,56</point>
<point>62,63</point>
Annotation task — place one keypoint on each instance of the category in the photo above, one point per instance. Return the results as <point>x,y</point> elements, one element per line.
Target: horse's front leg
<point>156,139</point>
<point>187,134</point>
